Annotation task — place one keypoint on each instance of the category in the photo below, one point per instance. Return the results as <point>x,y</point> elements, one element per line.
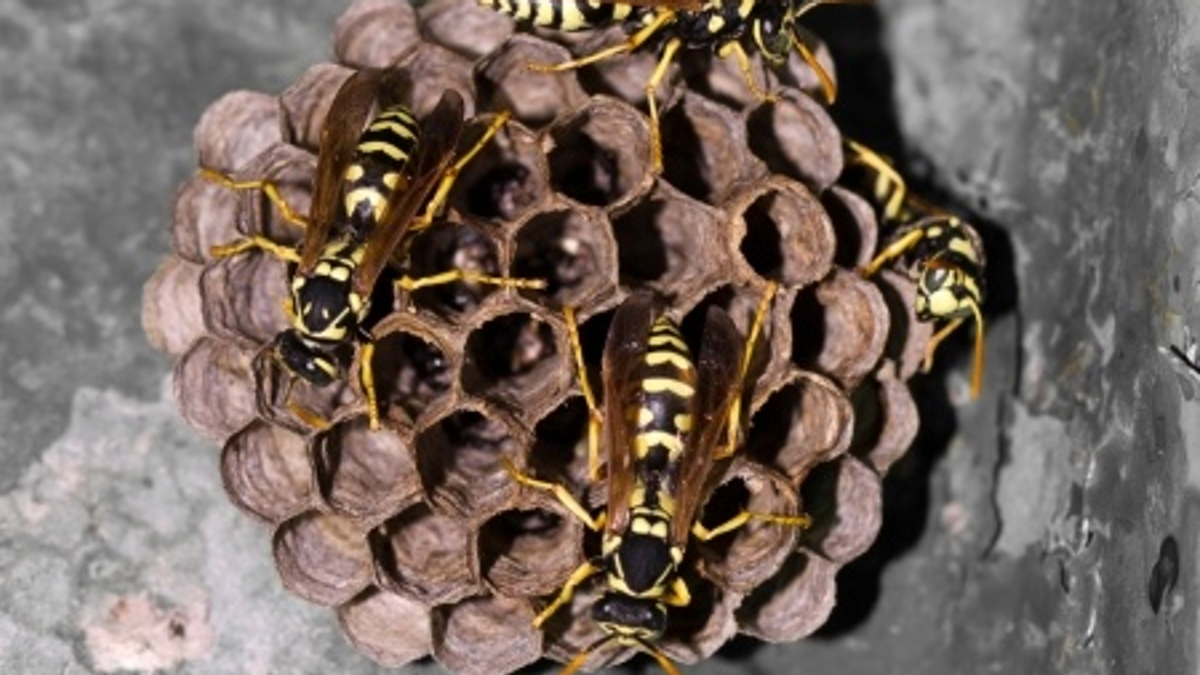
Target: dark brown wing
<point>339,138</point>
<point>718,385</point>
<point>623,353</point>
<point>440,132</point>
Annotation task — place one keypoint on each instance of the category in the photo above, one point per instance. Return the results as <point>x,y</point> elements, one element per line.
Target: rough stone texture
<point>1036,531</point>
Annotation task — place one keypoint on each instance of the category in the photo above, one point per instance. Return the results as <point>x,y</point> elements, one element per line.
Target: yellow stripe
<point>400,129</point>
<point>657,385</point>
<point>683,422</point>
<point>648,439</point>
<point>572,18</point>
<point>672,339</point>
<point>545,14</point>
<point>660,356</point>
<point>386,148</point>
<point>524,10</point>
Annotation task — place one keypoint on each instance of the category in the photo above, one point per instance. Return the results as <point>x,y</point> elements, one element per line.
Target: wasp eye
<point>304,360</point>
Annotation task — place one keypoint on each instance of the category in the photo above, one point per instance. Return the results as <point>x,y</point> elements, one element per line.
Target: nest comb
<point>415,535</point>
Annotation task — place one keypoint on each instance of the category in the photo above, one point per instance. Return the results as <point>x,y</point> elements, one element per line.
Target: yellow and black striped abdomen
<point>668,382</point>
<point>564,15</point>
<point>381,156</point>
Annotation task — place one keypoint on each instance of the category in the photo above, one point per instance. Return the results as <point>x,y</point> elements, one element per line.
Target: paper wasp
<point>944,254</point>
<point>666,420</point>
<point>369,188</point>
<point>692,24</point>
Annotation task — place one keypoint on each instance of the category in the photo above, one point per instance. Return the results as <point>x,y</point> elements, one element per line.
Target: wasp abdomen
<point>380,158</point>
<point>564,15</point>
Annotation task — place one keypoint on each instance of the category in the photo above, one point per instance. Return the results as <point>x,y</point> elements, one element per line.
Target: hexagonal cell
<point>390,629</point>
<point>266,472</point>
<point>323,558</point>
<point>214,388</point>
<point>841,328</point>
<point>171,310</point>
<point>506,180</point>
<point>572,250</point>
<point>433,70</point>
<point>464,26</point>
<point>741,304</point>
<point>845,499</point>
<point>305,104</point>
<point>250,211</point>
<point>887,419</point>
<point>856,225</point>
<point>781,232</point>
<point>794,603</point>
<point>669,242</point>
<point>559,452</point>
<point>242,297</point>
<point>505,82</point>
<point>458,457</point>
<point>601,154</point>
<point>742,559</point>
<point>623,77</point>
<point>423,555</point>
<point>373,33</point>
<point>518,359</point>
<point>704,149</point>
<point>487,635</point>
<point>806,421</point>
<point>444,248</point>
<point>363,474</point>
<point>413,365</point>
<point>796,137</point>
<point>530,550</point>
<point>235,128</point>
<point>909,335</point>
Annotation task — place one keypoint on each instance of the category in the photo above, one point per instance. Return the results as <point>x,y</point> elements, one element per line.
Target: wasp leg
<point>735,49</point>
<point>661,18</point>
<point>734,420</point>
<point>560,493</point>
<point>893,251</point>
<point>656,78</point>
<point>889,185</point>
<point>366,377</point>
<point>703,533</point>
<point>944,332</point>
<point>581,574</point>
<point>271,190</point>
<point>286,253</point>
<point>595,417</point>
<point>410,284</point>
<point>443,190</point>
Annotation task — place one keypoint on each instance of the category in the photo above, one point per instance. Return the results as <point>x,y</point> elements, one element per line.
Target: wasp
<point>369,188</point>
<point>666,419</point>
<point>692,24</point>
<point>943,253</point>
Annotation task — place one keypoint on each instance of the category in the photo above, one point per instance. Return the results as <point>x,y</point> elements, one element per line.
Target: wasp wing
<point>440,133</point>
<point>624,352</point>
<point>718,384</point>
<point>339,140</point>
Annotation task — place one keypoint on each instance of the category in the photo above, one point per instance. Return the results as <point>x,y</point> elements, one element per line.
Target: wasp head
<point>772,31</point>
<point>630,619</point>
<point>310,361</point>
<point>946,291</point>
